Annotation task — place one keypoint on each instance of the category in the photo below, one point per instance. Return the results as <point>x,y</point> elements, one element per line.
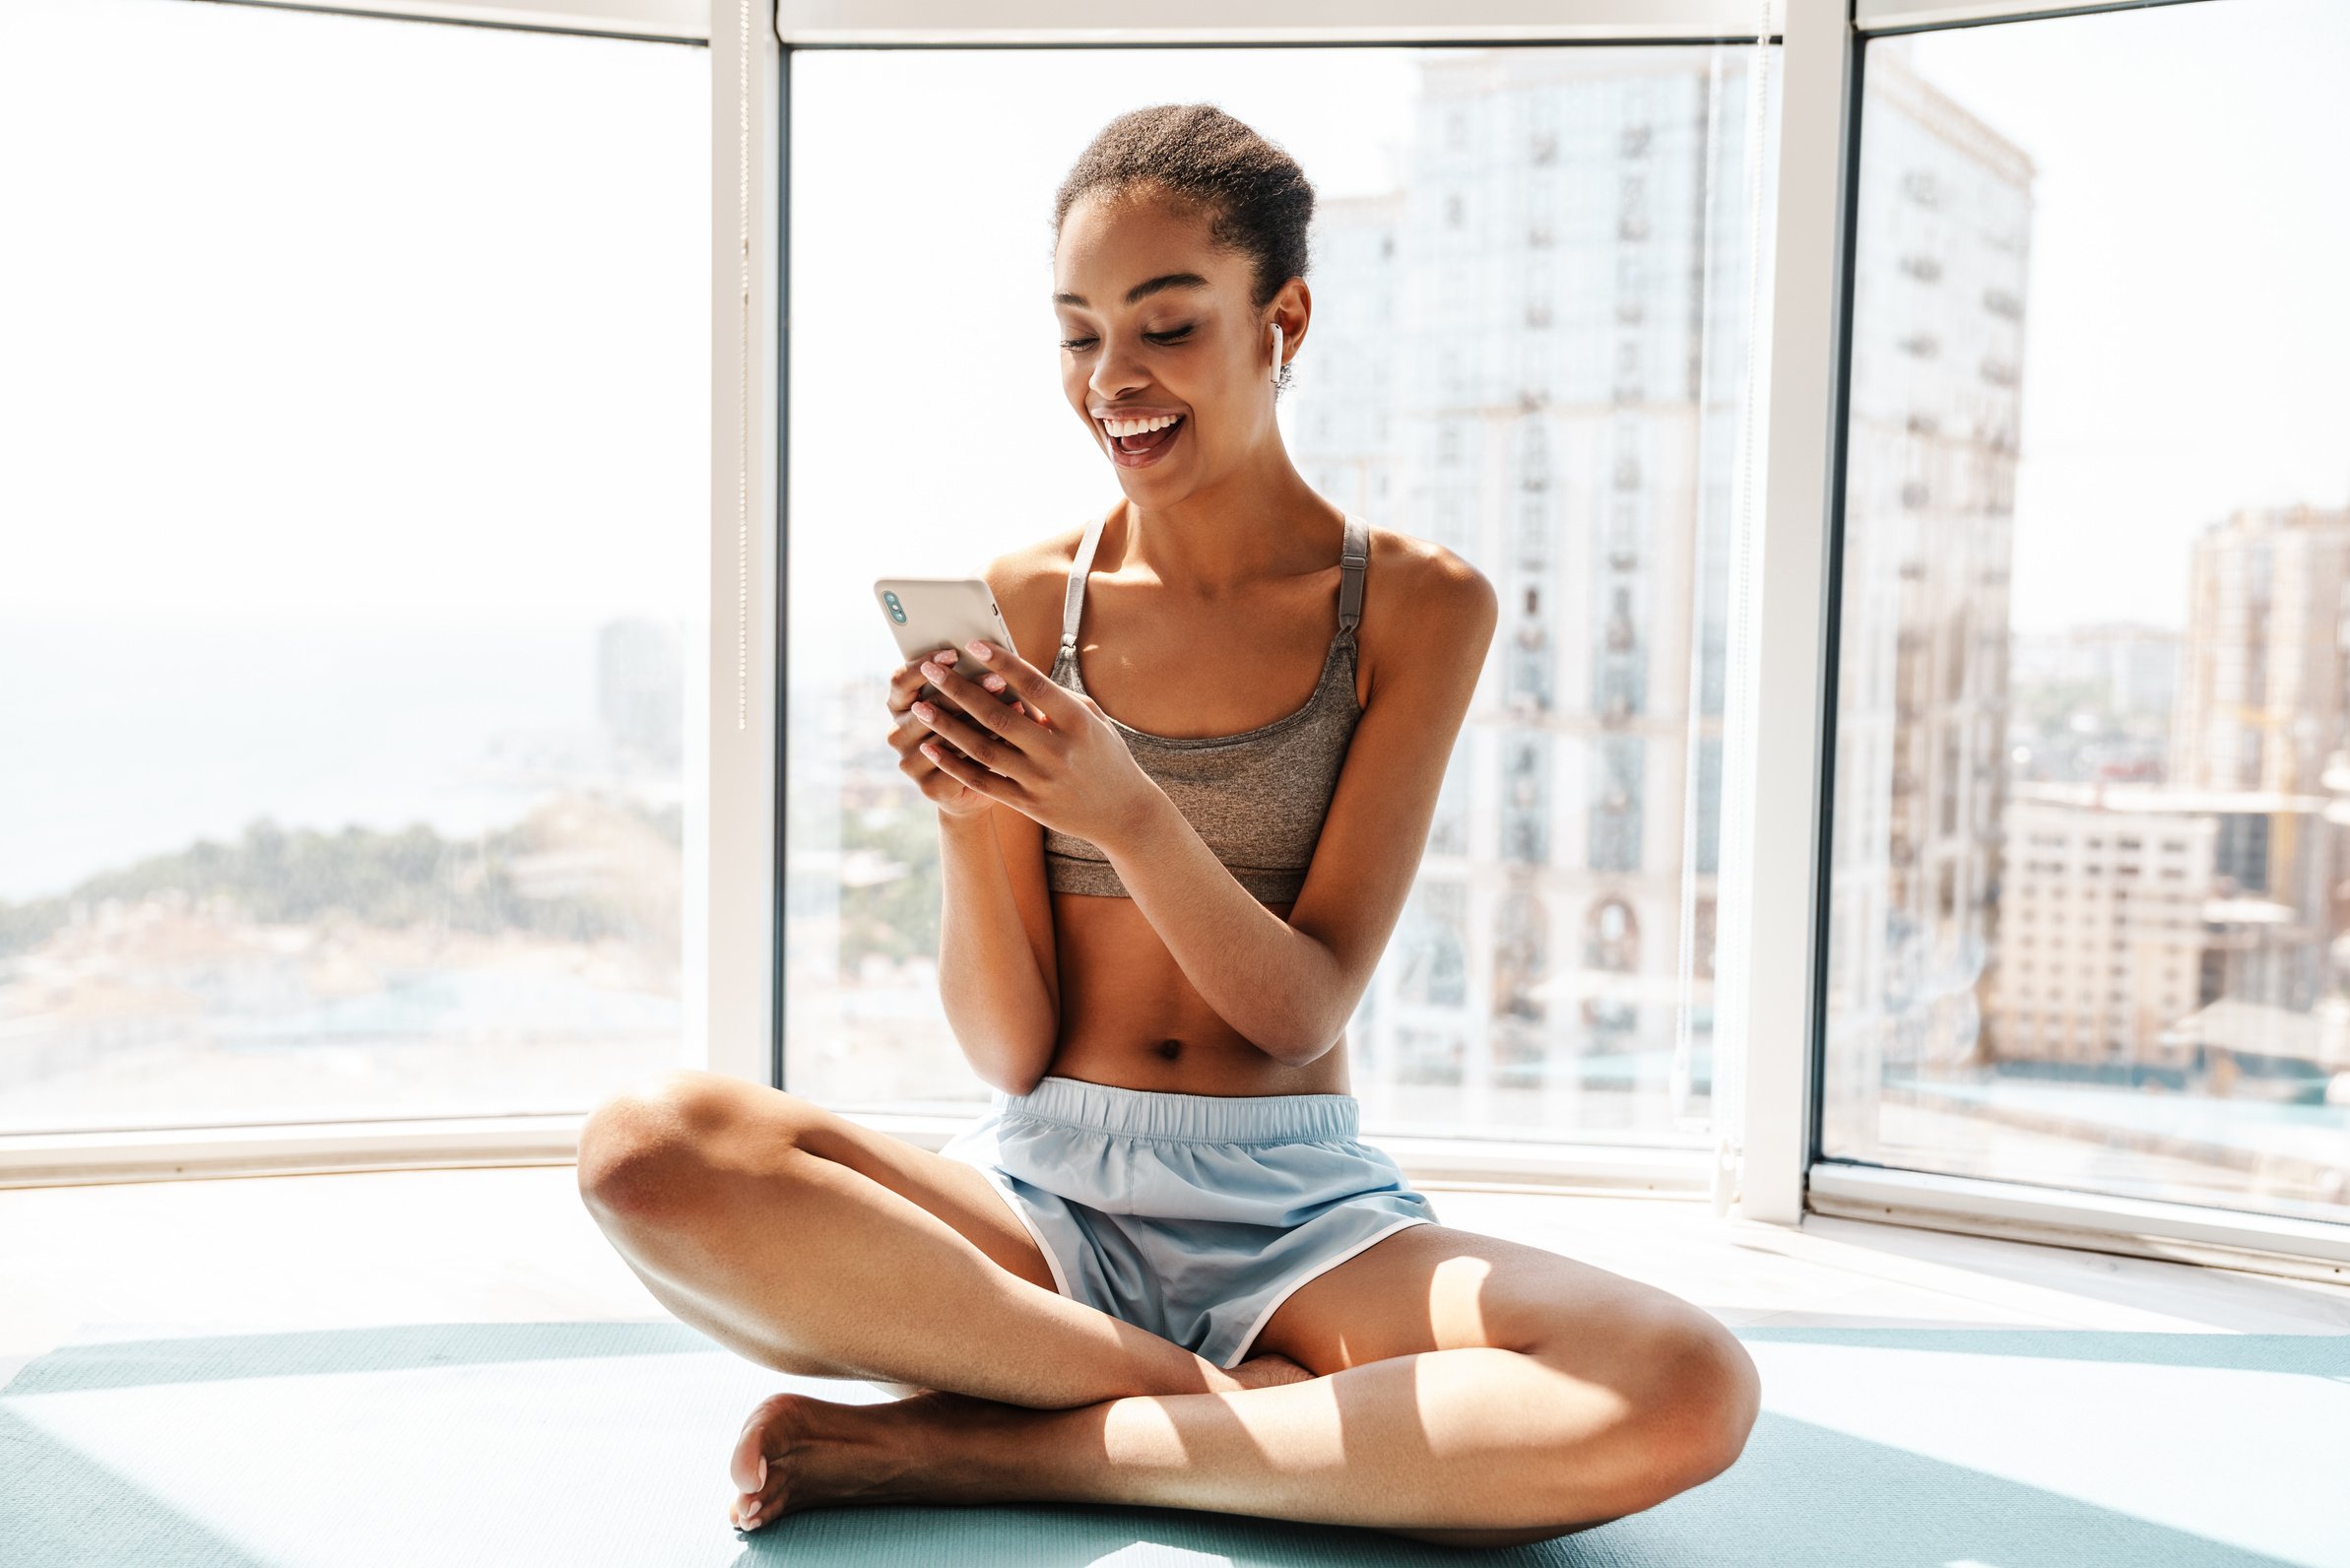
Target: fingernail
<point>945,653</point>
<point>994,683</point>
<point>931,668</point>
<point>763,1476</point>
<point>981,649</point>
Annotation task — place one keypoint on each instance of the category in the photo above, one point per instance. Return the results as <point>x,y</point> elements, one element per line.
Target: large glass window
<point>354,482</point>
<point>1530,277</point>
<point>2088,911</point>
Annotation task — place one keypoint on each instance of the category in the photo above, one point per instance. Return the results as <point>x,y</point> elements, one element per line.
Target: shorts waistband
<point>1209,1117</point>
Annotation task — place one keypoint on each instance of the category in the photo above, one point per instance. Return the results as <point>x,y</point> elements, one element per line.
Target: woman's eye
<point>1176,336</point>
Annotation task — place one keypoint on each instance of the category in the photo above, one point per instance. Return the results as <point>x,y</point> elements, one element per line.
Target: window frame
<point>2157,1229</point>
<point>733,914</point>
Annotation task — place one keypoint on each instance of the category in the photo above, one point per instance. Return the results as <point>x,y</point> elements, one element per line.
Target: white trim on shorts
<point>1052,1259</point>
<point>1314,1271</point>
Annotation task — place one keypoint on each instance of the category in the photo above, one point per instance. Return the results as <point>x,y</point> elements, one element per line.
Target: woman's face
<point>1157,327</point>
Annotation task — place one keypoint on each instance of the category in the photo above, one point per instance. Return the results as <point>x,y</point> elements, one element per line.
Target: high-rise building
<point>1937,345</point>
<point>2102,924</point>
<point>2265,700</point>
<point>1535,353</point>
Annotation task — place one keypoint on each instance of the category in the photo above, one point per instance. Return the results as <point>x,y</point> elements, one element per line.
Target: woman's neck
<point>1257,523</point>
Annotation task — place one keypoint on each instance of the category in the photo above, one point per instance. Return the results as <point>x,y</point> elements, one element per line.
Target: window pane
<point>2088,878</point>
<point>1529,279</point>
<point>352,458</point>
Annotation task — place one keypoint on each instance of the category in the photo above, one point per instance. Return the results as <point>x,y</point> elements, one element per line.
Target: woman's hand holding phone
<point>1050,756</point>
<point>907,733</point>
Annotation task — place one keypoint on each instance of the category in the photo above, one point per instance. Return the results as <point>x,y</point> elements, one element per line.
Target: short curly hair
<point>1258,201</point>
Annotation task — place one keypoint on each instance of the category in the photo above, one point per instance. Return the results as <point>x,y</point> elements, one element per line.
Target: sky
<point>339,316</point>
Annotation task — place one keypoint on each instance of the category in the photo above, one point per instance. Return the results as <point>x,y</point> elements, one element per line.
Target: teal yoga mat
<point>569,1444</point>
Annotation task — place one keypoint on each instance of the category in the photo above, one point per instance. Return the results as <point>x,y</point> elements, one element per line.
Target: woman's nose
<point>1116,373</point>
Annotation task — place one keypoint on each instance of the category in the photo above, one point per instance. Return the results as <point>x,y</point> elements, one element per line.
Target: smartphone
<point>928,614</point>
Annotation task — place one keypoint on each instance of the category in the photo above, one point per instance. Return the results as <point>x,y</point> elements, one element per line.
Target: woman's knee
<point>1688,1394</point>
<point>649,1148</point>
<point>1698,1403</point>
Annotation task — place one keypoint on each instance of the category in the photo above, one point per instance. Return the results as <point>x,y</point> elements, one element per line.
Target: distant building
<point>2101,944</point>
<point>1937,329</point>
<point>2263,707</point>
<point>2093,703</point>
<point>2109,891</point>
<point>1534,354</point>
<point>2265,700</point>
<point>2132,668</point>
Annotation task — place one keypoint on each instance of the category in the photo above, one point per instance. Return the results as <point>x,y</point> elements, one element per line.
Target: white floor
<point>271,1253</point>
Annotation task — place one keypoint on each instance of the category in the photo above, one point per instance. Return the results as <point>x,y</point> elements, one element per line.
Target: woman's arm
<point>1002,1000</point>
<point>1287,986</point>
<point>998,970</point>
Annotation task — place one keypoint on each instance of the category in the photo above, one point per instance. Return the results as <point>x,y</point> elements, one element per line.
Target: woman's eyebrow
<point>1170,280</point>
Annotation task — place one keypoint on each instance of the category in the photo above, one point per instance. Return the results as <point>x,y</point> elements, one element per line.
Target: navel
<point>1170,1049</point>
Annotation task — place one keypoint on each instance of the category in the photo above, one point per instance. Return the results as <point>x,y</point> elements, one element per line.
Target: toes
<point>747,1466</point>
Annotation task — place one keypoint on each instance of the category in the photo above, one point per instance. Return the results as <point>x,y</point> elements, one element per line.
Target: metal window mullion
<point>1901,15</point>
<point>648,21</point>
<point>1779,906</point>
<point>734,938</point>
<point>1065,22</point>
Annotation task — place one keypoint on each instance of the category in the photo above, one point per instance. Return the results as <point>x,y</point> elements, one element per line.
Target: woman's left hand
<point>1052,757</point>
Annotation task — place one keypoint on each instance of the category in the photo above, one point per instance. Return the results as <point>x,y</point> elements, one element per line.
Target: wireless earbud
<point>1276,352</point>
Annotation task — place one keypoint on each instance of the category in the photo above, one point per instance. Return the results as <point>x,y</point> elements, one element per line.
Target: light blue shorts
<point>1193,1216</point>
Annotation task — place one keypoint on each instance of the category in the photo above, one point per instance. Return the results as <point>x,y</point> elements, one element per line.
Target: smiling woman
<point>1164,1249</point>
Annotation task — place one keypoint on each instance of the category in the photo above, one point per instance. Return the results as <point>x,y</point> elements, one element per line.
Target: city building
<point>2263,698</point>
<point>1535,353</point>
<point>2102,925</point>
<point>1920,765</point>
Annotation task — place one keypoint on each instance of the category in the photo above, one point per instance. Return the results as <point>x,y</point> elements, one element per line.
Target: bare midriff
<point>1131,1018</point>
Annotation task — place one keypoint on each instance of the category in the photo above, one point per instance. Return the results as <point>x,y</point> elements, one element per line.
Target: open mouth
<point>1137,443</point>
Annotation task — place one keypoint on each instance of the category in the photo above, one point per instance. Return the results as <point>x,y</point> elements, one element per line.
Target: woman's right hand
<point>949,794</point>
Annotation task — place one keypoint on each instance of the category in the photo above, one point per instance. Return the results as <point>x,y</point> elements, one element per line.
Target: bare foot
<point>798,1452</point>
<point>1266,1370</point>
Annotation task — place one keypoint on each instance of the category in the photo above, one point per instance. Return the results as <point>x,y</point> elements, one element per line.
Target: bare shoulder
<point>1030,583</point>
<point>1419,595</point>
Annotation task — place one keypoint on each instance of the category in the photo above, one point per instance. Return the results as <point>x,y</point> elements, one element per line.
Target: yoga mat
<point>569,1444</point>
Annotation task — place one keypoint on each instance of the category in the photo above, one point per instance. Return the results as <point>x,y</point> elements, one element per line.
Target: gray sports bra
<point>1257,798</point>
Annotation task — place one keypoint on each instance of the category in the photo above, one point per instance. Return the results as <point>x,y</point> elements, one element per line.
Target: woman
<point>1161,1269</point>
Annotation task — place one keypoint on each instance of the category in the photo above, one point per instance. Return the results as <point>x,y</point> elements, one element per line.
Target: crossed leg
<point>1464,1389</point>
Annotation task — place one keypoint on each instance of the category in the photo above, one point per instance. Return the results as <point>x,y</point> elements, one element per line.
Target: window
<point>342,725</point>
<point>1493,1010</point>
<point>2147,697</point>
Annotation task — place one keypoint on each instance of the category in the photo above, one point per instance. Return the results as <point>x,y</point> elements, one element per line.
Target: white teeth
<point>1139,426</point>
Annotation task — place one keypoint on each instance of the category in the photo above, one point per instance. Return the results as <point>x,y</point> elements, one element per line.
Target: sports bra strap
<point>1353,556</point>
<point>1073,598</point>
